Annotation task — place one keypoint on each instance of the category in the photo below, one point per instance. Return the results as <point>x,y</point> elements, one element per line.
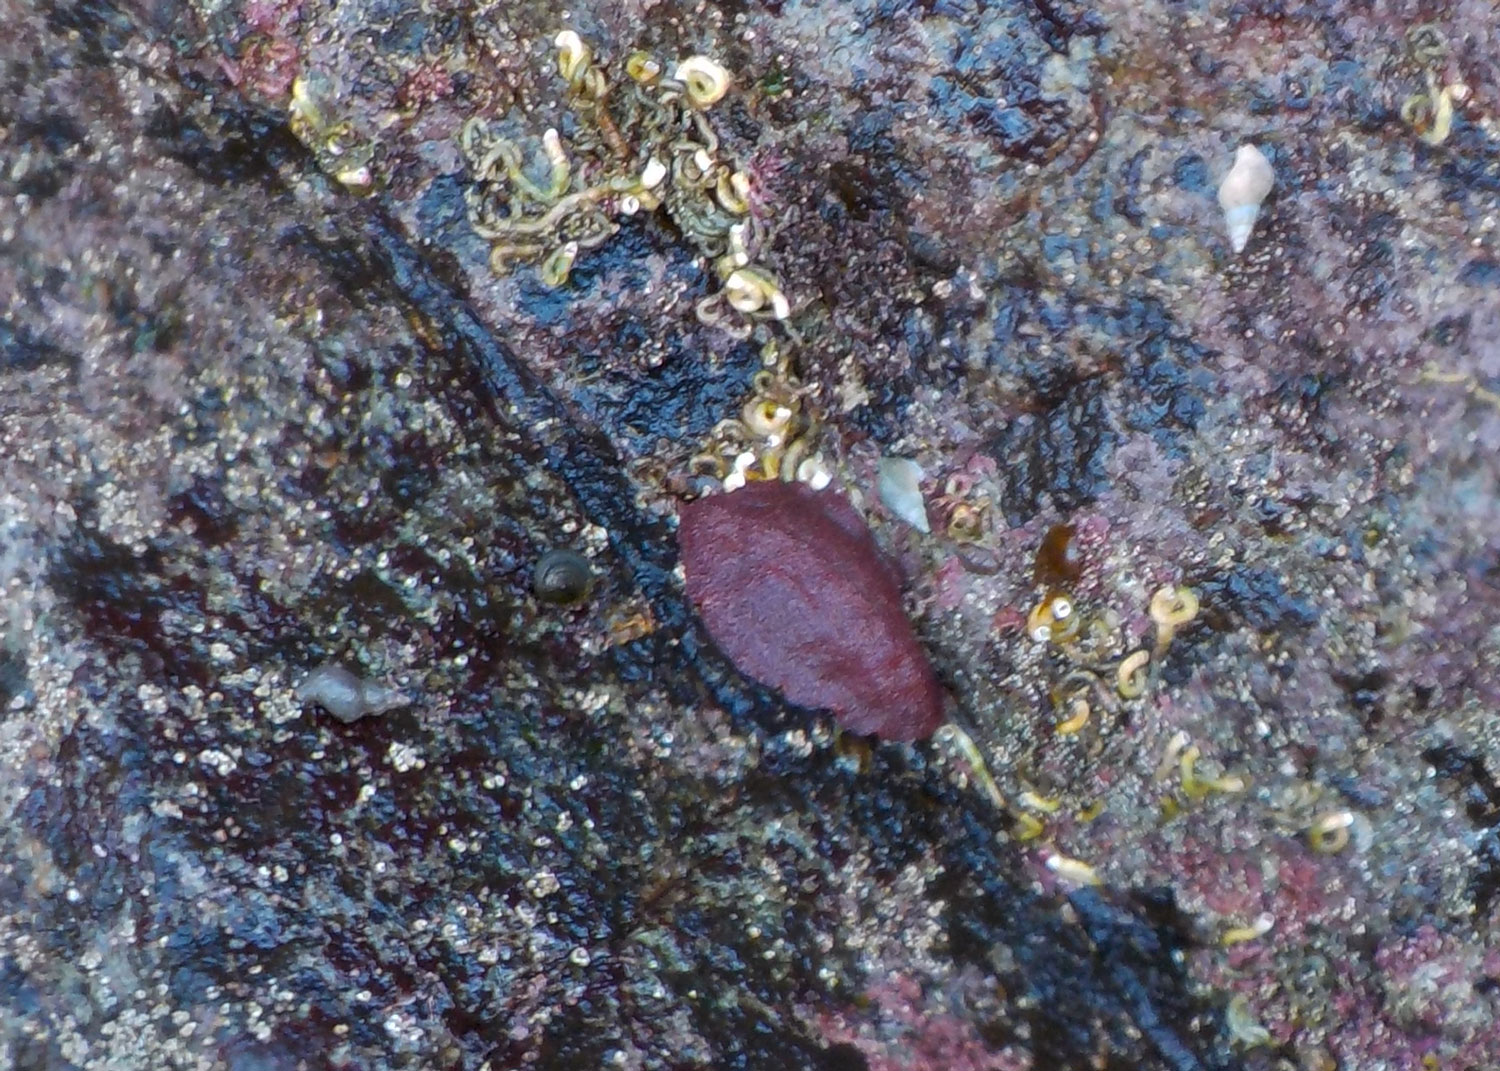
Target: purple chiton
<point>792,588</point>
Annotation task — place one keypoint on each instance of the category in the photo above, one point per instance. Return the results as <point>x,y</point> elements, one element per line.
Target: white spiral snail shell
<point>1242,191</point>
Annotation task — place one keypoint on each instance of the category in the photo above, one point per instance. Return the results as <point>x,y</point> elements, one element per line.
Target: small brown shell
<point>1058,562</point>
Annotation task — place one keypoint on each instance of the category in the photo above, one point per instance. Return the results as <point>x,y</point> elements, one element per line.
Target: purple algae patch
<point>793,589</point>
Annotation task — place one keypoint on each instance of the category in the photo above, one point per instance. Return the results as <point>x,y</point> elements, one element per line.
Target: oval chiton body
<point>793,589</point>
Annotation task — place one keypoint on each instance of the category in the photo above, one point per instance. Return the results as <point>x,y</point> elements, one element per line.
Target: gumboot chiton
<point>792,588</point>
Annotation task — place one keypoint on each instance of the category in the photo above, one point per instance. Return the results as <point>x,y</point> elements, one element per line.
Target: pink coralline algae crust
<point>792,588</point>
<point>899,1026</point>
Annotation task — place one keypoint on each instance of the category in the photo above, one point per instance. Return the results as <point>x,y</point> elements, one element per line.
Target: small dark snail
<point>562,578</point>
<point>346,696</point>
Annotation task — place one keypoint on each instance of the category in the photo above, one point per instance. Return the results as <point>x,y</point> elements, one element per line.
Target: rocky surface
<point>265,407</point>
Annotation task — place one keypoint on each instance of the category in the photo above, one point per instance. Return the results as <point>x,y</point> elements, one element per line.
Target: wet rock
<point>1059,456</point>
<point>251,422</point>
<point>1255,596</point>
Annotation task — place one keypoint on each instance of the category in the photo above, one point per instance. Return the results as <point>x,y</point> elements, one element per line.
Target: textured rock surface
<point>251,423</point>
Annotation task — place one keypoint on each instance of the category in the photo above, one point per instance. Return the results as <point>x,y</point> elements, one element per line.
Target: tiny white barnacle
<point>706,82</point>
<point>750,290</point>
<point>653,173</point>
<point>1240,194</point>
<point>738,477</point>
<point>739,252</point>
<point>642,68</point>
<point>815,472</point>
<point>558,264</point>
<point>733,192</point>
<point>573,55</point>
<point>1073,871</point>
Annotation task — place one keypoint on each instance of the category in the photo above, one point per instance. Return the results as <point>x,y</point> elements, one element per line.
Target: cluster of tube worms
<point>774,437</point>
<point>644,143</point>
